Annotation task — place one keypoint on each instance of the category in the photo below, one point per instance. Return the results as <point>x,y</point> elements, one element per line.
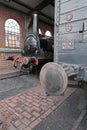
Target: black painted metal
<point>22,3</point>
<point>43,4</point>
<point>35,23</point>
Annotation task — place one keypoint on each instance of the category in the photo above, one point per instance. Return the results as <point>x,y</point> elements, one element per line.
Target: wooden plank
<point>85,37</point>
<point>79,14</point>
<point>69,28</point>
<point>73,5</point>
<point>63,1</point>
<point>72,27</point>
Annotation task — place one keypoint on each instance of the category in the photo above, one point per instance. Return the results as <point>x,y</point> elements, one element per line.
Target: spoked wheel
<point>16,64</point>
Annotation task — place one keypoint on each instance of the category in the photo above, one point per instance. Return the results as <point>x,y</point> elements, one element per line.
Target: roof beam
<point>22,4</point>
<point>8,6</point>
<point>46,16</point>
<point>52,3</point>
<point>42,5</point>
<point>37,8</point>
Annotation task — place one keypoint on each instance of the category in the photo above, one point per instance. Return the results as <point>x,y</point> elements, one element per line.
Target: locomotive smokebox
<point>35,23</point>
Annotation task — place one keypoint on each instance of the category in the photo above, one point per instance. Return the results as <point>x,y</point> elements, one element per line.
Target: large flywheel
<point>53,78</point>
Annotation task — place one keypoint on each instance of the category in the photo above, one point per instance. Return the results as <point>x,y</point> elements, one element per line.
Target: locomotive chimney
<point>35,23</point>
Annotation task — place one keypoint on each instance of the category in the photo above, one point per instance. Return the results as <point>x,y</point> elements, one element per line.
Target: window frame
<point>12,33</point>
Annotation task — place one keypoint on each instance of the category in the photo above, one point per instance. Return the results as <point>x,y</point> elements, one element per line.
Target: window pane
<point>40,31</point>
<point>12,32</point>
<point>48,33</point>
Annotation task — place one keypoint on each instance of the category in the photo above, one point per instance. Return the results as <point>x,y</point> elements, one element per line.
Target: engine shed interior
<point>49,36</point>
<point>19,14</point>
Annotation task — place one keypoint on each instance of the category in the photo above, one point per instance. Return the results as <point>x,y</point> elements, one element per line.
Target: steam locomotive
<point>37,51</point>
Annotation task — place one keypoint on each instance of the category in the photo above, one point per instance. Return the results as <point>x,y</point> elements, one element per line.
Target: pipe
<point>35,23</point>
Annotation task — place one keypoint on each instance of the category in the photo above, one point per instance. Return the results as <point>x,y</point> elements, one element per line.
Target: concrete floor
<point>16,85</point>
<point>83,125</point>
<point>66,116</point>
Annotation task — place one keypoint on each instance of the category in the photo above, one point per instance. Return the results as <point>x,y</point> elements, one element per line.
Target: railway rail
<point>10,75</point>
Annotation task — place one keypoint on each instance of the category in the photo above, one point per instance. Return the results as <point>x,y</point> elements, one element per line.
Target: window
<point>40,31</point>
<point>48,33</point>
<point>12,33</point>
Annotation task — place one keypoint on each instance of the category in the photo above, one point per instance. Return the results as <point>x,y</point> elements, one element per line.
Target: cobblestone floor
<point>26,110</point>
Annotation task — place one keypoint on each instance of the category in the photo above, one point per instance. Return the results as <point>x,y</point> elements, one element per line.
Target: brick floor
<point>26,110</point>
